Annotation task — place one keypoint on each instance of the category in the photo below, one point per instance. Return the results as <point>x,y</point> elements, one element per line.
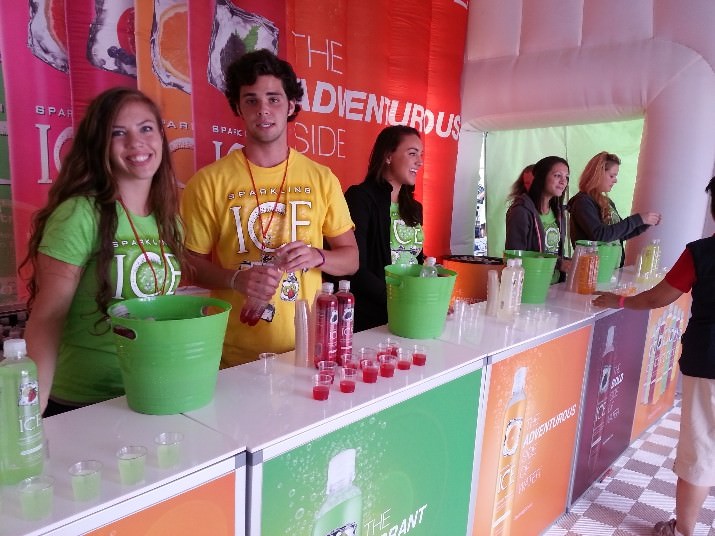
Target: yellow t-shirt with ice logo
<point>405,241</point>
<point>225,217</point>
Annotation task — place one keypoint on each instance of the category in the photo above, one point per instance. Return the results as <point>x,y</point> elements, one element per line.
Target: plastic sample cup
<point>328,367</point>
<point>267,359</point>
<point>419,355</point>
<point>404,360</point>
<point>131,461</point>
<point>168,448</point>
<point>388,363</point>
<point>370,369</point>
<point>321,386</point>
<point>352,362</point>
<point>36,495</point>
<point>347,379</point>
<point>86,479</point>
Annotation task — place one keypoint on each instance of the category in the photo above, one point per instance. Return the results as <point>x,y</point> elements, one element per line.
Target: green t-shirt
<point>87,367</point>
<point>552,238</point>
<point>405,241</point>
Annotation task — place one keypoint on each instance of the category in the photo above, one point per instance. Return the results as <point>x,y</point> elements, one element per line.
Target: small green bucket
<point>417,306</point>
<point>538,271</point>
<point>169,349</point>
<point>609,258</point>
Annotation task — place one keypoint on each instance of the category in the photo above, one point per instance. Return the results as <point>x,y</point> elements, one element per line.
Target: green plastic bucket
<point>538,271</point>
<point>169,349</point>
<point>417,306</point>
<point>609,258</point>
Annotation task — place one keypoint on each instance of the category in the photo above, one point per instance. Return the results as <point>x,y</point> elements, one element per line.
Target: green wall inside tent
<point>508,152</point>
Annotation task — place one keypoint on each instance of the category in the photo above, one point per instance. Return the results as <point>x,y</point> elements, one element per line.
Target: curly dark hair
<point>385,144</point>
<point>245,71</point>
<point>87,172</point>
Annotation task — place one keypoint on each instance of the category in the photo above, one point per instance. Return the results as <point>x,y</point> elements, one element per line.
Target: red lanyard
<point>264,230</point>
<point>146,255</point>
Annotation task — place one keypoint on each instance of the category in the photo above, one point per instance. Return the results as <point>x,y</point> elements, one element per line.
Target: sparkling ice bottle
<point>346,317</point>
<point>326,325</point>
<point>21,436</point>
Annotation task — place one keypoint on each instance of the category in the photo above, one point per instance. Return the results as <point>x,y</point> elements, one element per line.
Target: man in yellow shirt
<point>264,206</point>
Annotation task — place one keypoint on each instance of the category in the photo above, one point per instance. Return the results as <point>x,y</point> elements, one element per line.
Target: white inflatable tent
<point>534,63</point>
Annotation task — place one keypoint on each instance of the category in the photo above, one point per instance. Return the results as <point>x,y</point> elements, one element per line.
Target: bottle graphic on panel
<point>509,451</point>
<point>651,391</point>
<point>341,511</point>
<point>599,420</point>
<point>21,437</point>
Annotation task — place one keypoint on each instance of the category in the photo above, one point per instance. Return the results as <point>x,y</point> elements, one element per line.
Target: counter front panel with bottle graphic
<point>405,469</point>
<point>530,425</point>
<point>656,389</point>
<point>611,388</point>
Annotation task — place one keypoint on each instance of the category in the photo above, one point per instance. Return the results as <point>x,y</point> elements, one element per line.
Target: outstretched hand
<point>606,299</point>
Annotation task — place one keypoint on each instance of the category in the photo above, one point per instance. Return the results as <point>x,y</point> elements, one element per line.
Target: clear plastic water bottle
<point>428,268</point>
<point>21,436</point>
<point>510,289</point>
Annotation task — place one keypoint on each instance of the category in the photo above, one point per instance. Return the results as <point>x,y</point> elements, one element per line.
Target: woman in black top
<point>387,217</point>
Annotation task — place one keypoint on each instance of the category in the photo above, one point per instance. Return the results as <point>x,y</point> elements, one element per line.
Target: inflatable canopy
<point>534,63</point>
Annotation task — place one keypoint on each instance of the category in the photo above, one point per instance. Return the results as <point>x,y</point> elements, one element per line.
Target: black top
<point>369,205</point>
<point>698,356</point>
<point>586,222</point>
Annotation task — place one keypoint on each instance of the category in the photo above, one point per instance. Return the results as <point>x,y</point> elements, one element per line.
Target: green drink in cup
<point>86,479</point>
<point>168,448</point>
<point>36,496</point>
<point>131,461</point>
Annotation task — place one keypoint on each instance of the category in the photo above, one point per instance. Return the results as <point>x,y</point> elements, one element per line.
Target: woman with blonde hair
<point>593,213</point>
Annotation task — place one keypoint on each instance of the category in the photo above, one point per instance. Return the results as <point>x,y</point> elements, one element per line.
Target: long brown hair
<point>592,177</point>
<point>386,143</point>
<point>87,172</point>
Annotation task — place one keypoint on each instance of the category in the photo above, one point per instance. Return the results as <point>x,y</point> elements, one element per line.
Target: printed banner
<point>33,44</point>
<point>102,54</point>
<point>8,279</point>
<point>349,482</point>
<point>370,64</point>
<point>656,389</point>
<point>531,419</point>
<point>610,397</point>
<point>221,31</point>
<point>162,49</point>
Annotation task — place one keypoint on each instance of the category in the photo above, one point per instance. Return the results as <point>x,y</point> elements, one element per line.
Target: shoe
<point>664,528</point>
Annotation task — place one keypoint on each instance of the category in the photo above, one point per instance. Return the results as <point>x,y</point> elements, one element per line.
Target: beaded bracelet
<point>621,301</point>
<point>322,255</point>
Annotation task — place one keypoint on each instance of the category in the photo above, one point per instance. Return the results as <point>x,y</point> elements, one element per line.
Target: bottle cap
<point>519,380</point>
<point>328,288</point>
<point>344,284</point>
<point>430,261</point>
<point>513,262</point>
<point>14,348</point>
<point>341,470</point>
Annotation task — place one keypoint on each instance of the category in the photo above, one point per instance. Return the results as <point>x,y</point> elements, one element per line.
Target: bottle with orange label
<point>509,451</point>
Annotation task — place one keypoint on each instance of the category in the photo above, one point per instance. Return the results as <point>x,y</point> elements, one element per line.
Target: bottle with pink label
<point>346,310</point>
<point>326,325</point>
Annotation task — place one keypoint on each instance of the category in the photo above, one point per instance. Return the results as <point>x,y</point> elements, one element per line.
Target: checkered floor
<point>639,491</point>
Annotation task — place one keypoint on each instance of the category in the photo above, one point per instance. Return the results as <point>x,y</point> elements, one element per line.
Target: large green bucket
<point>538,271</point>
<point>417,306</point>
<point>169,350</point>
<point>609,258</point>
